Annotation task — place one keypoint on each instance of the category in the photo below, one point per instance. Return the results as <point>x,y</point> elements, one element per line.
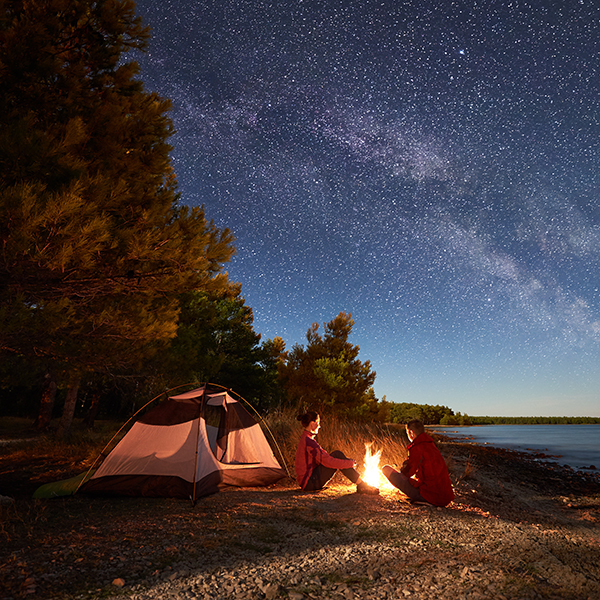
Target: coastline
<point>517,529</point>
<point>569,445</point>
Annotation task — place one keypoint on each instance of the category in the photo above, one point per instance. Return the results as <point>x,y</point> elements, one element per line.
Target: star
<point>364,167</point>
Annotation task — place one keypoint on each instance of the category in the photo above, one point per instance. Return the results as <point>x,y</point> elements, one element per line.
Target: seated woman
<point>315,467</point>
<point>424,476</point>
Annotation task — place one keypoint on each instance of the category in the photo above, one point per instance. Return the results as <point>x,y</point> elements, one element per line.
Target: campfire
<point>372,474</point>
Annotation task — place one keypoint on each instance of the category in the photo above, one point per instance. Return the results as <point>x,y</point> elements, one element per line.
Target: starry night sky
<point>431,167</point>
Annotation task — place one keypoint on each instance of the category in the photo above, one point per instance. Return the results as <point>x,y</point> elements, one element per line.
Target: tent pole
<point>261,419</point>
<point>200,415</point>
<point>102,453</point>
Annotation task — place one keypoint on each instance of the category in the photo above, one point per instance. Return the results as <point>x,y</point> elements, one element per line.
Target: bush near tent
<point>190,445</point>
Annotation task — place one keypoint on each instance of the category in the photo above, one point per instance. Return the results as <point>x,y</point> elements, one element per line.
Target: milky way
<point>430,167</point>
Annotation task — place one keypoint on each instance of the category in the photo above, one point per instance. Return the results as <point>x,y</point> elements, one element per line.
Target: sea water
<point>577,446</point>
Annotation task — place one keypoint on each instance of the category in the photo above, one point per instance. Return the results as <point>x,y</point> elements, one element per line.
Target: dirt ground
<point>518,528</point>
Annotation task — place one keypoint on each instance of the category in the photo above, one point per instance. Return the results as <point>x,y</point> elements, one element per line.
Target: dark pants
<point>321,475</point>
<point>402,482</point>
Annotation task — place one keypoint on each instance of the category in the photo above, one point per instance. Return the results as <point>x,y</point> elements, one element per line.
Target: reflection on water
<point>577,446</point>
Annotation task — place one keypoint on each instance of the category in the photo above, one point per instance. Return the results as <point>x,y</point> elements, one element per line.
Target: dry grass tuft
<point>470,469</point>
<point>339,434</point>
<point>52,459</point>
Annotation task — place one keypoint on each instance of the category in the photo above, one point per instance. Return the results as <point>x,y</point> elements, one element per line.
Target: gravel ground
<point>517,529</point>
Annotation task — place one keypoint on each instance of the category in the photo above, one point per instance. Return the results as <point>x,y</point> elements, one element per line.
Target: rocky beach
<point>518,528</point>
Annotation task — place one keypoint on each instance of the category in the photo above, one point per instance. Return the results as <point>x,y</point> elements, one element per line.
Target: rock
<point>270,590</point>
<point>473,549</point>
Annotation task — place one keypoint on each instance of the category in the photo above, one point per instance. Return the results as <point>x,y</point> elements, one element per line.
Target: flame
<point>372,474</point>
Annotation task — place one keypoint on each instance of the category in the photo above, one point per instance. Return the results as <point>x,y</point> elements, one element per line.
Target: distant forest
<point>403,412</point>
<point>535,420</point>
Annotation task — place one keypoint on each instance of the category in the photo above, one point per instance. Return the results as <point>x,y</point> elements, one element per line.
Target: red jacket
<point>428,469</point>
<point>309,455</point>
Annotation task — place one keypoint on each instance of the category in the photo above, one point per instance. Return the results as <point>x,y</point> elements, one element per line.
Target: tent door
<point>214,417</point>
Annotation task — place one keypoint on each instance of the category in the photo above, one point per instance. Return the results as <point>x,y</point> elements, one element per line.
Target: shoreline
<point>541,450</point>
<point>517,529</point>
<point>537,463</point>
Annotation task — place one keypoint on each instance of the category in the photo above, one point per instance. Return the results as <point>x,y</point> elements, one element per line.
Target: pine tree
<point>327,375</point>
<point>95,246</point>
<point>272,355</point>
<point>215,342</point>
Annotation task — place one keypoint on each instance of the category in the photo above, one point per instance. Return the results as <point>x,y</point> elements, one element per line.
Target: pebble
<point>477,549</point>
<point>360,570</point>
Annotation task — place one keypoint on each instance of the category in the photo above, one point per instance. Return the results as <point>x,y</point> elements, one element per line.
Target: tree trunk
<point>46,404</point>
<point>90,416</point>
<point>64,426</point>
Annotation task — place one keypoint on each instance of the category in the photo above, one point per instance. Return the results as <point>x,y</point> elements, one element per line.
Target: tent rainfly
<point>191,445</point>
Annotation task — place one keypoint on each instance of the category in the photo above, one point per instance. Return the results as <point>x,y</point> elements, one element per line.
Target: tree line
<point>535,420</point>
<point>403,412</point>
<point>111,288</point>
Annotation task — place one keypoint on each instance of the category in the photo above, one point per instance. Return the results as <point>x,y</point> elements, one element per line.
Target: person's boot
<point>365,488</point>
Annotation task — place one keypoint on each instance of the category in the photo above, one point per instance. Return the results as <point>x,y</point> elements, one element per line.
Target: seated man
<point>424,476</point>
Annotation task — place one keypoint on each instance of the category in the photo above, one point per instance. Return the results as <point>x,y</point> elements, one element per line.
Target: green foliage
<point>442,415</point>
<point>373,410</point>
<point>97,249</point>
<point>215,342</point>
<point>457,419</point>
<point>271,356</point>
<point>535,420</point>
<point>327,375</point>
<point>403,412</point>
<point>448,419</point>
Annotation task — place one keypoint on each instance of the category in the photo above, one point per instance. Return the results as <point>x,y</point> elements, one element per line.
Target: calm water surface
<point>577,446</point>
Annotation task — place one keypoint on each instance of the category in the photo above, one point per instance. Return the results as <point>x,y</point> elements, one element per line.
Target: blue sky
<point>430,167</point>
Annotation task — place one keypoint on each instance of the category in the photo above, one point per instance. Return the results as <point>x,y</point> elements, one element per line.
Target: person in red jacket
<point>424,476</point>
<point>315,467</point>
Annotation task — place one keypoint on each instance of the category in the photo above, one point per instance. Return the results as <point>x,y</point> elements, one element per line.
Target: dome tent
<point>189,446</point>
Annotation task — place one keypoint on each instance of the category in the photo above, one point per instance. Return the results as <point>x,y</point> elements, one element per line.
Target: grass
<point>21,441</point>
<point>338,434</point>
<point>79,538</point>
<point>81,448</point>
<point>28,460</point>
